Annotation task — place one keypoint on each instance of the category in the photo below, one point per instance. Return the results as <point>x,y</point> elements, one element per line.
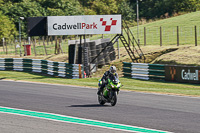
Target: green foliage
<point>26,8</point>
<point>61,7</point>
<point>104,6</point>
<point>150,9</point>
<point>32,8</point>
<point>7,28</point>
<point>126,9</point>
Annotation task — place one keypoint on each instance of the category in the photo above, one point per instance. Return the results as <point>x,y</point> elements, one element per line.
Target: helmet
<point>113,69</point>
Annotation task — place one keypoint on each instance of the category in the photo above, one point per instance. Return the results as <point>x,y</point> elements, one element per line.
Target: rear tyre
<point>100,99</point>
<point>113,99</point>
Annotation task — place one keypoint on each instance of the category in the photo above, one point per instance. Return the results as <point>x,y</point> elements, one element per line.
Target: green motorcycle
<point>110,91</point>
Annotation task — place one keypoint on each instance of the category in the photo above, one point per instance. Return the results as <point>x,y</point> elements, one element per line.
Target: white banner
<point>88,24</point>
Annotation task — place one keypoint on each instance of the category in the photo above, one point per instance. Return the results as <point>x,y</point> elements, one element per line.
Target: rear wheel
<point>113,99</point>
<point>100,99</point>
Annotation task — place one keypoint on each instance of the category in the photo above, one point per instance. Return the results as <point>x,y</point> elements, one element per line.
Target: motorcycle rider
<point>111,71</point>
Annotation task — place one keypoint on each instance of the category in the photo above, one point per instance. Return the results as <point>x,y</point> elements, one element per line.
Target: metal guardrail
<point>60,69</point>
<point>144,71</point>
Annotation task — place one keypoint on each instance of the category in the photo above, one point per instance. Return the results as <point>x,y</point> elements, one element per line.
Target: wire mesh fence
<point>39,46</point>
<point>168,35</point>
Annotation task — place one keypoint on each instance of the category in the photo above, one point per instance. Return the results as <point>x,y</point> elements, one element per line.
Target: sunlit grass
<point>129,84</point>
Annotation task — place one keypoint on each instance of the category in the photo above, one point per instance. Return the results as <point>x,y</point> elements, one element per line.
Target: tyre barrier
<point>106,53</point>
<point>94,48</point>
<point>100,59</point>
<point>144,71</point>
<point>112,53</point>
<point>60,69</point>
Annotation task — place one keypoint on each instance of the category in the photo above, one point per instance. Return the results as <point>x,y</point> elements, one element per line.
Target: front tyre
<point>100,99</point>
<point>114,98</point>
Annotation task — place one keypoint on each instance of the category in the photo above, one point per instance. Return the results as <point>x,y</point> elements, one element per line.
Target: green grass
<point>129,84</point>
<point>186,25</point>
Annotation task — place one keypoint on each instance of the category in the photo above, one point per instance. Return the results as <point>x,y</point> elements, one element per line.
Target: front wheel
<point>113,99</point>
<point>100,99</point>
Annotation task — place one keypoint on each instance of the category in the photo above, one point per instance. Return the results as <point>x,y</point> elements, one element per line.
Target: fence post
<point>44,45</point>
<point>60,41</point>
<point>160,36</point>
<point>195,35</point>
<point>145,39</point>
<point>47,39</point>
<point>55,44</point>
<point>177,36</point>
<point>51,39</point>
<point>34,47</point>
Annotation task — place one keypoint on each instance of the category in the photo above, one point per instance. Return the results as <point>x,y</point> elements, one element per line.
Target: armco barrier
<point>60,69</point>
<point>144,71</point>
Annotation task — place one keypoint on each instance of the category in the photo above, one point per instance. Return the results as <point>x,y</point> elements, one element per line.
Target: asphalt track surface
<point>177,114</point>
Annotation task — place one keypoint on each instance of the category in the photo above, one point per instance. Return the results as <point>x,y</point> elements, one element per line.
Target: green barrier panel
<point>157,77</point>
<point>55,63</point>
<point>157,72</point>
<point>126,64</point>
<point>8,68</point>
<point>45,62</point>
<point>127,75</point>
<point>9,64</point>
<point>68,65</point>
<point>8,60</point>
<point>55,69</point>
<point>27,65</point>
<point>69,71</point>
<point>27,61</point>
<point>127,70</point>
<point>55,73</point>
<point>157,66</point>
<point>27,69</point>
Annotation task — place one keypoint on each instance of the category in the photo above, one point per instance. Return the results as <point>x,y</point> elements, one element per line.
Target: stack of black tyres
<point>87,59</point>
<point>106,53</point>
<point>71,53</point>
<point>100,59</point>
<point>112,53</point>
<point>88,52</point>
<point>92,49</point>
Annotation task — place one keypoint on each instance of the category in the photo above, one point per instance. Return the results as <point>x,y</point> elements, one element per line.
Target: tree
<point>151,9</point>
<point>23,9</point>
<point>7,28</point>
<point>61,7</point>
<point>126,9</point>
<point>103,7</point>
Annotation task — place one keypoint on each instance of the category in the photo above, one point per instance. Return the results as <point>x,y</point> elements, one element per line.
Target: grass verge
<point>129,84</point>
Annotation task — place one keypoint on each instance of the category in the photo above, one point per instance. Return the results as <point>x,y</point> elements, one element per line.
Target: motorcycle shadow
<point>89,105</point>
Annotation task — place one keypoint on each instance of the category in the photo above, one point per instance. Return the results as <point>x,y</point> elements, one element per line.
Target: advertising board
<point>186,74</point>
<point>87,24</point>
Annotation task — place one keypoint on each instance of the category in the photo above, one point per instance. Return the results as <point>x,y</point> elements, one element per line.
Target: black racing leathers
<point>104,80</point>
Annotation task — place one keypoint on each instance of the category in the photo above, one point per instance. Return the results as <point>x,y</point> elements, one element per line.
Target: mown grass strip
<point>129,84</point>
